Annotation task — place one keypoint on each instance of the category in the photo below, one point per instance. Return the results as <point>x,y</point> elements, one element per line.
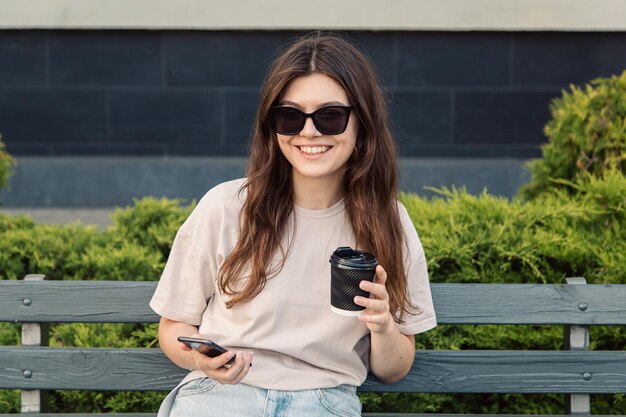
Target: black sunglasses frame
<point>274,109</point>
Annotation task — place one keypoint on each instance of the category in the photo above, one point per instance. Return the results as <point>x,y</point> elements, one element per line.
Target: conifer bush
<point>576,229</point>
<point>586,135</point>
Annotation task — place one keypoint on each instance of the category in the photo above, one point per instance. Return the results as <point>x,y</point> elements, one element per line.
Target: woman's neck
<point>316,193</point>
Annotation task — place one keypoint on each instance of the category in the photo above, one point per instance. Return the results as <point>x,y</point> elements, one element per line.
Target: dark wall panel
<point>501,116</point>
<point>421,120</point>
<point>195,92</point>
<point>473,59</point>
<point>219,59</point>
<point>22,58</point>
<point>52,115</point>
<point>560,59</point>
<point>240,112</point>
<point>109,149</point>
<point>382,52</point>
<point>164,116</point>
<point>109,59</point>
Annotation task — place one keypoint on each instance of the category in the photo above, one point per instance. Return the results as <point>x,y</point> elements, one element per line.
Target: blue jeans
<point>207,398</point>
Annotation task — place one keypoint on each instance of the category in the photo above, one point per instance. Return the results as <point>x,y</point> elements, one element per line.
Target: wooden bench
<point>576,372</point>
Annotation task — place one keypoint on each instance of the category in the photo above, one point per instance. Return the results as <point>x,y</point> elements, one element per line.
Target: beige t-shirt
<point>298,342</point>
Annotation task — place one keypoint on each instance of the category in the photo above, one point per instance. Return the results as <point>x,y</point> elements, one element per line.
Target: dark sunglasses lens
<point>331,120</point>
<point>287,121</point>
<point>328,120</point>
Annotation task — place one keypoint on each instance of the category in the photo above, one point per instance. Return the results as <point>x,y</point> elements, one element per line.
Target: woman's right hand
<point>214,367</point>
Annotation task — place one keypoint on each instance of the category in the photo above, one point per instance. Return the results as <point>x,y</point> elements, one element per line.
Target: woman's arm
<point>183,356</point>
<point>391,353</point>
<point>169,330</point>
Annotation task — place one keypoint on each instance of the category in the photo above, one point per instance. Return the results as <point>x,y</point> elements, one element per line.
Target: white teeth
<point>313,150</point>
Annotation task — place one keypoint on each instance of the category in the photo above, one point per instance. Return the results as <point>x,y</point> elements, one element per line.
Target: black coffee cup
<point>348,267</point>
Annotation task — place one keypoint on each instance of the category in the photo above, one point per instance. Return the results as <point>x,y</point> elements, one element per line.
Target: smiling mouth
<point>314,150</point>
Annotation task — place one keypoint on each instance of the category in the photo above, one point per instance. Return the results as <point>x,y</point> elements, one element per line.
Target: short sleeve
<point>186,284</point>
<point>417,281</point>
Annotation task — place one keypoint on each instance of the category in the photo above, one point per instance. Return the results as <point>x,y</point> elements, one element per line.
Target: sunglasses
<point>331,120</point>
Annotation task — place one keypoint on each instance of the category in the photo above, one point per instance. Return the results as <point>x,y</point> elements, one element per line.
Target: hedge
<point>467,238</point>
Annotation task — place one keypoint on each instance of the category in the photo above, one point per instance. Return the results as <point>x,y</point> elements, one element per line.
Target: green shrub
<point>587,134</point>
<point>486,239</point>
<point>135,248</point>
<point>151,223</point>
<point>6,162</point>
<point>577,229</point>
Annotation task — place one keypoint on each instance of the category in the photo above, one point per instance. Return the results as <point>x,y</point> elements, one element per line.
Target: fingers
<point>224,360</point>
<point>238,370</point>
<point>376,314</point>
<point>220,368</point>
<point>377,288</point>
<point>375,319</point>
<point>372,304</point>
<point>205,362</point>
<point>381,275</point>
<point>217,368</point>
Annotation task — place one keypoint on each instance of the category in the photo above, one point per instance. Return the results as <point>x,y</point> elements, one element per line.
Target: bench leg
<point>578,404</point>
<point>33,401</point>
<point>577,338</point>
<point>34,334</point>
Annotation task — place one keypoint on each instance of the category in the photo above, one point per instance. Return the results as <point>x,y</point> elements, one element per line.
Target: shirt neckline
<point>333,210</point>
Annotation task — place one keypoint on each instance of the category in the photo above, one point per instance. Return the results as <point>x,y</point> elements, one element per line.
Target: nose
<point>309,130</point>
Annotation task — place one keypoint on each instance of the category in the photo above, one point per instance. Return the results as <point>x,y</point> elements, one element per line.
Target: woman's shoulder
<point>410,231</point>
<point>221,204</point>
<point>225,193</point>
<point>403,212</point>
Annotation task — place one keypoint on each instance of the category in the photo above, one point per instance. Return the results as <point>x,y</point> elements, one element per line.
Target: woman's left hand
<point>376,315</point>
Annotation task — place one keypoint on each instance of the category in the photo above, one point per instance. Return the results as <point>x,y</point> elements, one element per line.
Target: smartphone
<point>206,347</point>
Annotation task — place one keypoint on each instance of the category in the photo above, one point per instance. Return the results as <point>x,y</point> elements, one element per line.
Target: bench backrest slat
<point>89,369</point>
<point>117,301</point>
<point>433,371</point>
<point>530,304</point>
<point>77,301</point>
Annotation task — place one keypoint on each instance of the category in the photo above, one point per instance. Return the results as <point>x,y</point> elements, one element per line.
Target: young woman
<point>249,269</point>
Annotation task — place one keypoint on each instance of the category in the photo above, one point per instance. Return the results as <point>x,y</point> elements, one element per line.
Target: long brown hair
<point>369,185</point>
